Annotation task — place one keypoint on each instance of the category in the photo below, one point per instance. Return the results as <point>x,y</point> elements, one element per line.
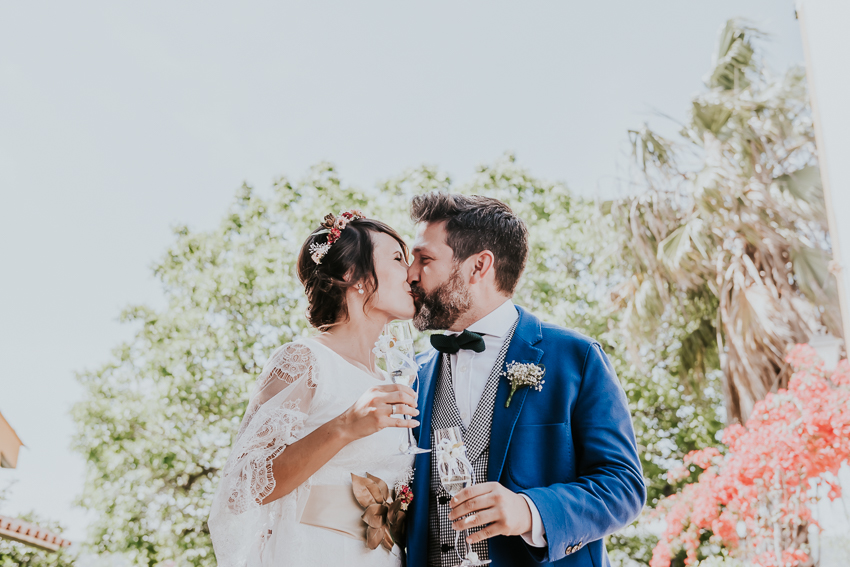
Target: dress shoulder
<point>291,363</point>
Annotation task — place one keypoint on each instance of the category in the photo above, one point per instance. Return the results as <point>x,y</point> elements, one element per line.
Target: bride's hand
<point>371,413</point>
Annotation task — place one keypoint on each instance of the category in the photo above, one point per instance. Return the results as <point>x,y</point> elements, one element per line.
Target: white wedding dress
<point>304,385</point>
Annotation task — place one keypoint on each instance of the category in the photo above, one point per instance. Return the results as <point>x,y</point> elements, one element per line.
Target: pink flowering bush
<point>753,498</point>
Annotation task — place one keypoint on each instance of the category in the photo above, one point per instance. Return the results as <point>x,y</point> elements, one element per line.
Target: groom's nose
<point>413,273</point>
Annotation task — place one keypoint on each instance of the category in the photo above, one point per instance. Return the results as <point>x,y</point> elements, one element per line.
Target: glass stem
<point>410,439</point>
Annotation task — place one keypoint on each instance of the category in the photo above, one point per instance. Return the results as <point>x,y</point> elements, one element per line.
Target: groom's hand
<point>506,512</point>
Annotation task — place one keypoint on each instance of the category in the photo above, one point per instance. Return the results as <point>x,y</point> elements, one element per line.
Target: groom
<point>557,469</point>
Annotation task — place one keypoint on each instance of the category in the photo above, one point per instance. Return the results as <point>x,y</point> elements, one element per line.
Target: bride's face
<point>393,296</point>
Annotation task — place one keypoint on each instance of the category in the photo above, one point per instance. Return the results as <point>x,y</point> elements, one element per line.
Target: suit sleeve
<point>609,491</point>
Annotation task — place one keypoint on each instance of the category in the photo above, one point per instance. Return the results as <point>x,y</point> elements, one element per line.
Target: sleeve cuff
<point>536,537</point>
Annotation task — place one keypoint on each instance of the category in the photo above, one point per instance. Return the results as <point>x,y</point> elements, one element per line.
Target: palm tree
<point>731,227</point>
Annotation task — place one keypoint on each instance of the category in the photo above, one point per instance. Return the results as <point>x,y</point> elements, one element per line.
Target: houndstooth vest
<point>441,535</point>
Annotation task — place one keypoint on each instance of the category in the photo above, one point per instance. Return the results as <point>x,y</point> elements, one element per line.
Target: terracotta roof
<point>30,534</point>
<point>9,444</point>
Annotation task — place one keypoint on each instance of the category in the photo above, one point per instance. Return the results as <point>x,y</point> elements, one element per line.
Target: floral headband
<point>333,227</point>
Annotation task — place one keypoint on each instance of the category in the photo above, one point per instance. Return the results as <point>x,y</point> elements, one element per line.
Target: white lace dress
<point>304,385</point>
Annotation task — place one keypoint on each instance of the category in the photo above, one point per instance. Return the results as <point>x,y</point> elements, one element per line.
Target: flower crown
<point>333,227</point>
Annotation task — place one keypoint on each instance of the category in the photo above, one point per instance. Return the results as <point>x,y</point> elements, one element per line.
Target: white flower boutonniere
<point>521,374</point>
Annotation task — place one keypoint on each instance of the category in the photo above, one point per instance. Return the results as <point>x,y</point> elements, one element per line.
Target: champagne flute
<point>456,474</point>
<point>403,369</point>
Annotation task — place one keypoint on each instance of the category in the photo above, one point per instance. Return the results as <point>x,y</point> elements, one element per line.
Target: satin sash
<point>333,507</point>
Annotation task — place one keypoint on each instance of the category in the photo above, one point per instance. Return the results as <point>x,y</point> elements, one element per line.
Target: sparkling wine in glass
<point>456,474</point>
<point>403,369</point>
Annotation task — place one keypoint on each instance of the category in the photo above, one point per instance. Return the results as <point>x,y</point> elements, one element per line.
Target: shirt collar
<point>498,322</point>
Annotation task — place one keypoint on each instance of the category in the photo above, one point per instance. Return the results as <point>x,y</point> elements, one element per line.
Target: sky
<point>119,121</point>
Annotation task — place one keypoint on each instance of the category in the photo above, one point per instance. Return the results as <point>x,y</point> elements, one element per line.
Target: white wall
<point>826,42</point>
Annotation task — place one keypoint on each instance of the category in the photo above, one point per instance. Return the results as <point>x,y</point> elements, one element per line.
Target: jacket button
<point>444,499</point>
<point>446,547</point>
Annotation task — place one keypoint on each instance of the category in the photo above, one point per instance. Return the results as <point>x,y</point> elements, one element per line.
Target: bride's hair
<point>349,261</point>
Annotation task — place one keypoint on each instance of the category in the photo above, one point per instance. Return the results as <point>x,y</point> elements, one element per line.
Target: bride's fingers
<point>402,409</point>
<point>396,388</point>
<point>399,422</point>
<point>397,398</point>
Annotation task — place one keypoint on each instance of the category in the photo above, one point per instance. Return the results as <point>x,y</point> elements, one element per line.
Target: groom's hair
<point>475,223</point>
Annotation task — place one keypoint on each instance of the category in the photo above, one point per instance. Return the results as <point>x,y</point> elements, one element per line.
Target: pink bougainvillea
<point>760,486</point>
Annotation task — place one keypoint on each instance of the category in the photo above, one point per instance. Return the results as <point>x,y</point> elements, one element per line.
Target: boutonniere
<point>521,374</point>
<point>384,509</point>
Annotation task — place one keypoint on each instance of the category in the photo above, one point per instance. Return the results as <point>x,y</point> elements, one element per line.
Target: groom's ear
<point>482,266</point>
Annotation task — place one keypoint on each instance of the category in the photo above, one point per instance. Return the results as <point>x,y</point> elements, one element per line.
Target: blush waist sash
<point>333,507</point>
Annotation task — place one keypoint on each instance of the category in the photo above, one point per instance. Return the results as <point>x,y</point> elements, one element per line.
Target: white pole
<point>824,25</point>
<point>826,43</point>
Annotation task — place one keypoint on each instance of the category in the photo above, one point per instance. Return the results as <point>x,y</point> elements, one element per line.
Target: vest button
<point>446,547</point>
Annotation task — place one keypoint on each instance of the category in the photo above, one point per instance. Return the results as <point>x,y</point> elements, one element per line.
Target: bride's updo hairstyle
<point>352,255</point>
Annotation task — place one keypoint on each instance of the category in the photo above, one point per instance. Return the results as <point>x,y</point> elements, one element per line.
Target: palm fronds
<point>746,228</point>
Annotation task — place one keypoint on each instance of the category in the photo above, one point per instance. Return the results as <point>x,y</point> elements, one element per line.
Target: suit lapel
<point>417,538</point>
<point>521,349</point>
<point>428,375</point>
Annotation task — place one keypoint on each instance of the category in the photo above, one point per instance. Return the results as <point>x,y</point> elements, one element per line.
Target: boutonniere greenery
<point>522,374</point>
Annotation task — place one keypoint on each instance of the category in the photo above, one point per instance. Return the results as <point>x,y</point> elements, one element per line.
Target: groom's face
<point>440,292</point>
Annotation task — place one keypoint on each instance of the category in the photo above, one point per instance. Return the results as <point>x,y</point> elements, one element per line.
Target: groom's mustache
<point>418,294</point>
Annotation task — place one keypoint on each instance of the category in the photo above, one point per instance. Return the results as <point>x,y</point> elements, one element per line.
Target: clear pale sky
<point>118,121</point>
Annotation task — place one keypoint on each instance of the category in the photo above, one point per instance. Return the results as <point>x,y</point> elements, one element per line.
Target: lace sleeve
<point>292,367</point>
<point>275,415</point>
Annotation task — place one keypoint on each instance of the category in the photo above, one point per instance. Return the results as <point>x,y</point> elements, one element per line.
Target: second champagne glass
<point>403,369</point>
<point>456,474</point>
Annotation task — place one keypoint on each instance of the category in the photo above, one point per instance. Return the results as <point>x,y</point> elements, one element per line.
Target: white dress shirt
<point>470,372</point>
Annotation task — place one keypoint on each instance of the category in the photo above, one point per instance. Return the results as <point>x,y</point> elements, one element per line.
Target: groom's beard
<point>439,309</point>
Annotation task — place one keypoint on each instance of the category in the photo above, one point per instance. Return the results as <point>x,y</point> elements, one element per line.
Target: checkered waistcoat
<point>441,535</point>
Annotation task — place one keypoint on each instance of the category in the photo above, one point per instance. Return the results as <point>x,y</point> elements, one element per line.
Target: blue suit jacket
<point>570,448</point>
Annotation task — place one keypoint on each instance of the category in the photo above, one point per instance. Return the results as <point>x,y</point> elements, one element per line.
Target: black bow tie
<point>452,343</point>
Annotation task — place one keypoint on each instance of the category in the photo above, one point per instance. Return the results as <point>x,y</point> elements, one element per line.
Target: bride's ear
<point>359,287</point>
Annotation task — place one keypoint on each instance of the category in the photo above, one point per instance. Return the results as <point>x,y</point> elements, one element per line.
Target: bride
<point>322,410</point>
